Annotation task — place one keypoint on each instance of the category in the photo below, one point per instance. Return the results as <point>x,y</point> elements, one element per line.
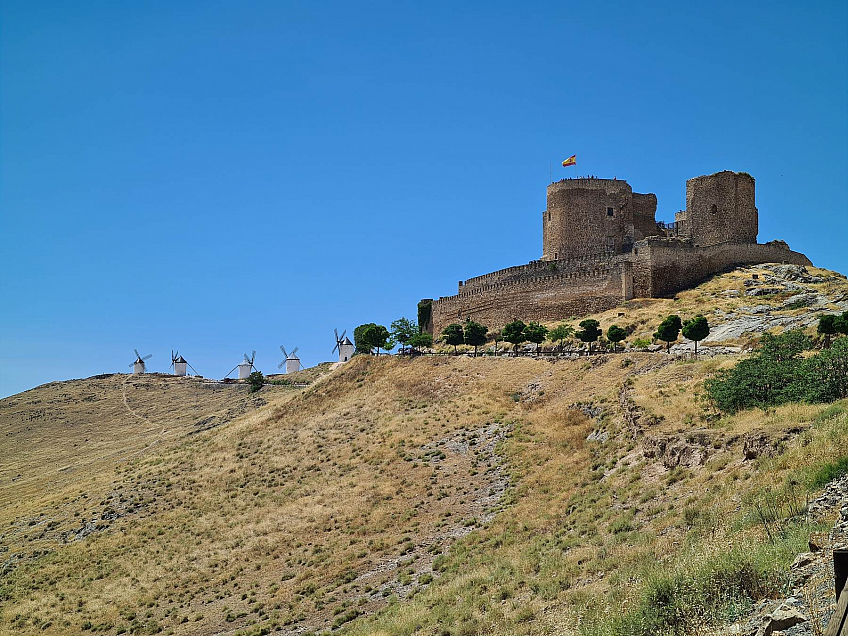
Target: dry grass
<point>367,500</point>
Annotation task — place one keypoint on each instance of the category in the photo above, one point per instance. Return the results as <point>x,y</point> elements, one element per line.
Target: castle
<point>601,245</point>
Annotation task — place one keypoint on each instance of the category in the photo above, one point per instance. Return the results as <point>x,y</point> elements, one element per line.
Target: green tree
<point>560,333</point>
<point>696,330</point>
<point>669,330</point>
<point>403,329</point>
<point>513,333</point>
<point>255,380</point>
<point>372,336</point>
<point>828,327</point>
<point>841,323</point>
<point>475,334</point>
<point>590,331</point>
<point>615,334</point>
<point>421,340</point>
<point>453,335</point>
<point>380,338</point>
<point>536,334</point>
<point>360,338</point>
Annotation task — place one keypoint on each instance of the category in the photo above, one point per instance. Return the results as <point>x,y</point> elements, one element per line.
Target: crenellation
<point>602,245</point>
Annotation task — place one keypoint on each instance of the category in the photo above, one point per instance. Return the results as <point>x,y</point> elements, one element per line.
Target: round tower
<point>720,209</point>
<point>586,217</point>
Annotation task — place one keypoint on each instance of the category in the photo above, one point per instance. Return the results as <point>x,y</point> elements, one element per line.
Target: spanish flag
<point>571,161</point>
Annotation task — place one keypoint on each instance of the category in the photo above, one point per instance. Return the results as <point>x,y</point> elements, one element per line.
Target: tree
<point>513,333</point>
<point>453,335</point>
<point>380,338</point>
<point>615,334</point>
<point>372,336</point>
<point>841,323</point>
<point>535,333</point>
<point>360,339</point>
<point>255,380</point>
<point>402,331</point>
<point>696,330</point>
<point>828,327</point>
<point>475,334</point>
<point>496,336</point>
<point>421,340</point>
<point>590,331</point>
<point>561,333</point>
<point>668,330</point>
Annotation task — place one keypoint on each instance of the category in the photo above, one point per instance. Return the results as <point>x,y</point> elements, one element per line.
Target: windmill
<point>344,346</point>
<point>179,364</point>
<point>245,366</point>
<point>292,362</point>
<point>138,366</point>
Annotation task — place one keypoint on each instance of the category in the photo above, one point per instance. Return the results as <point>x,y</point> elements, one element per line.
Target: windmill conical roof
<point>180,359</point>
<point>346,341</point>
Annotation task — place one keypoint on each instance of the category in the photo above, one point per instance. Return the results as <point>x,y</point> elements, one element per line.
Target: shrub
<point>255,380</point>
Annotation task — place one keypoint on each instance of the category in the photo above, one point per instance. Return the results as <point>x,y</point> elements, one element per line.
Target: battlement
<point>535,268</point>
<point>589,183</point>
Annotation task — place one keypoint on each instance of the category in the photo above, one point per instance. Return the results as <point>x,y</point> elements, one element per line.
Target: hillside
<point>437,495</point>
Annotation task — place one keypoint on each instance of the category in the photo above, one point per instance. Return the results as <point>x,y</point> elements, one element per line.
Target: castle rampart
<point>602,245</point>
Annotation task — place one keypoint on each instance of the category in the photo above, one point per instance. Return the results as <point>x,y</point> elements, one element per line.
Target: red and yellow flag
<point>571,161</point>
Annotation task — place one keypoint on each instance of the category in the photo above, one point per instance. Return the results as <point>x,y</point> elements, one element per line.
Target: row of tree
<point>371,337</point>
<point>517,332</point>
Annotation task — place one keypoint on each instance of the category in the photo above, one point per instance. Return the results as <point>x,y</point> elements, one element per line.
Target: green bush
<point>776,374</point>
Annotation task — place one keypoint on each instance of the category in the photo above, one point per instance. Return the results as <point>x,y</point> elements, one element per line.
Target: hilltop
<point>437,495</point>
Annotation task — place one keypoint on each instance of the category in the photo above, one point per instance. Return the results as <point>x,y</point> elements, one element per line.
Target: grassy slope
<point>311,506</point>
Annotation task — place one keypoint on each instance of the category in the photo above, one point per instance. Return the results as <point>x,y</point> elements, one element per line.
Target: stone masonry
<point>601,245</point>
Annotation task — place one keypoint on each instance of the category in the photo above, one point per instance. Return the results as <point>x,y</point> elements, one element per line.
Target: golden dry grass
<point>391,496</point>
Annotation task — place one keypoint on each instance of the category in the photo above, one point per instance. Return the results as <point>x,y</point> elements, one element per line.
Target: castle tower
<point>586,217</point>
<point>719,209</point>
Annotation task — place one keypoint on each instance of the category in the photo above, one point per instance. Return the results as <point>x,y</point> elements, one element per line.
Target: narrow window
<point>549,216</point>
<point>556,256</point>
<point>610,212</point>
<point>714,209</point>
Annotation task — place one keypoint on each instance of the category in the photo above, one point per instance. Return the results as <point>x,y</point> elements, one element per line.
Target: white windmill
<point>138,366</point>
<point>292,362</point>
<point>344,346</point>
<point>179,364</point>
<point>244,367</point>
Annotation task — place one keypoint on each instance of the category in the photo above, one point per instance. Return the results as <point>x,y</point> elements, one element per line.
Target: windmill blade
<point>132,364</point>
<point>343,335</point>
<point>252,357</point>
<point>335,348</point>
<point>336,331</point>
<point>285,353</point>
<point>137,354</point>
<point>147,357</point>
<point>280,366</point>
<point>246,359</point>
<point>294,352</point>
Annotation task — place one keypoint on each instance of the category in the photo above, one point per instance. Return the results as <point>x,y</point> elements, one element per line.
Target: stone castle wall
<point>602,245</point>
<point>549,295</point>
<point>663,266</point>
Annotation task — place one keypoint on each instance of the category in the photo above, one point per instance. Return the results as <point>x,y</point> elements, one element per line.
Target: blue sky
<point>225,176</point>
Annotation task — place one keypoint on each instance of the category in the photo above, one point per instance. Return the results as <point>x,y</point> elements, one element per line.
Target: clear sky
<point>218,177</point>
